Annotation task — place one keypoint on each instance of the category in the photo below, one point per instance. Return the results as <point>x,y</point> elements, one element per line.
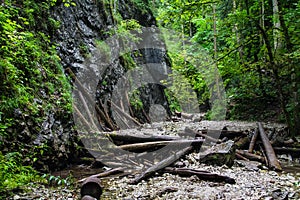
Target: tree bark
<point>277,26</point>
<point>126,138</point>
<point>153,145</point>
<point>104,174</point>
<point>236,31</point>
<point>204,175</point>
<point>251,156</point>
<point>276,76</point>
<point>287,38</point>
<point>253,140</point>
<point>271,156</point>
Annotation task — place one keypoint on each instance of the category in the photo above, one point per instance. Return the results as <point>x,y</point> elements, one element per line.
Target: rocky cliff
<point>83,26</point>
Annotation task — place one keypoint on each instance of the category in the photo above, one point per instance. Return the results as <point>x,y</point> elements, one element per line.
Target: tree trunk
<point>274,67</point>
<point>236,31</point>
<point>253,140</point>
<point>204,175</point>
<point>270,153</point>
<point>277,27</point>
<point>287,38</point>
<point>215,30</point>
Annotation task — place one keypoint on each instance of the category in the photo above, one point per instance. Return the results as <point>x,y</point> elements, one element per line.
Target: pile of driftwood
<point>231,145</point>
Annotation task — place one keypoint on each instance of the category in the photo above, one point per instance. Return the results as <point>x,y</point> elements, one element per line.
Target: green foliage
<point>13,175</point>
<point>124,30</point>
<point>58,181</point>
<point>172,100</point>
<point>32,81</point>
<point>142,5</point>
<point>134,99</point>
<point>67,3</point>
<point>193,82</point>
<point>255,74</point>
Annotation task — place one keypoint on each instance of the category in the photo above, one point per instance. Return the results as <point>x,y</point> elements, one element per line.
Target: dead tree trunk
<point>204,175</point>
<point>252,142</point>
<point>271,156</point>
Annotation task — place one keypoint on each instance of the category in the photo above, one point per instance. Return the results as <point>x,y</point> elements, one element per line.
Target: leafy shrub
<point>13,175</point>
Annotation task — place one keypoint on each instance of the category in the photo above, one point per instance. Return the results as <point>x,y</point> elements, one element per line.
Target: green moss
<point>32,81</point>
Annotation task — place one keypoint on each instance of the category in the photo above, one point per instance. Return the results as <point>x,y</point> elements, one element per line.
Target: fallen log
<point>223,133</point>
<point>273,162</point>
<point>203,175</point>
<point>197,134</point>
<point>86,108</point>
<point>251,156</point>
<point>239,156</point>
<point>264,155</point>
<point>290,150</point>
<point>85,122</point>
<point>185,115</point>
<point>104,174</point>
<point>156,144</point>
<point>126,138</point>
<point>242,142</point>
<point>125,114</point>
<point>253,140</point>
<point>160,165</point>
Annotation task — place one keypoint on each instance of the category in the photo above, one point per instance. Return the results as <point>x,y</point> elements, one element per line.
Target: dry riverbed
<point>251,182</point>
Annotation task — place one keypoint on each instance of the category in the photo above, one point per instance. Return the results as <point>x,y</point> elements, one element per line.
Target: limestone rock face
<point>80,28</point>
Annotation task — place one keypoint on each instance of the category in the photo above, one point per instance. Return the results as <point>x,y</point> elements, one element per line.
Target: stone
<point>219,154</point>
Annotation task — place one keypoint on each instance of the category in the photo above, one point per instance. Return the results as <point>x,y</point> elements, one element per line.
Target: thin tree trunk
<point>287,38</point>
<point>236,31</point>
<point>253,140</point>
<point>277,26</point>
<point>215,30</point>
<point>296,122</point>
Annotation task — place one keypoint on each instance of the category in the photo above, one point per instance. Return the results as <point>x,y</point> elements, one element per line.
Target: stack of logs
<point>230,143</point>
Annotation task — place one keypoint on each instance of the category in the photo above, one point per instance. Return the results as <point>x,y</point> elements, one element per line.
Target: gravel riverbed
<point>251,182</point>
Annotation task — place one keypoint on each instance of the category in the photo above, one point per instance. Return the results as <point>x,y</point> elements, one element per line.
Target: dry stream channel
<point>251,182</point>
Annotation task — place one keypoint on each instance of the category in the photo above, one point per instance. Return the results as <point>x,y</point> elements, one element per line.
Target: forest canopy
<point>255,45</point>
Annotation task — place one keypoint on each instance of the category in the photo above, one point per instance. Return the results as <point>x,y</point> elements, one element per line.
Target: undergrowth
<point>13,175</point>
<point>32,85</point>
